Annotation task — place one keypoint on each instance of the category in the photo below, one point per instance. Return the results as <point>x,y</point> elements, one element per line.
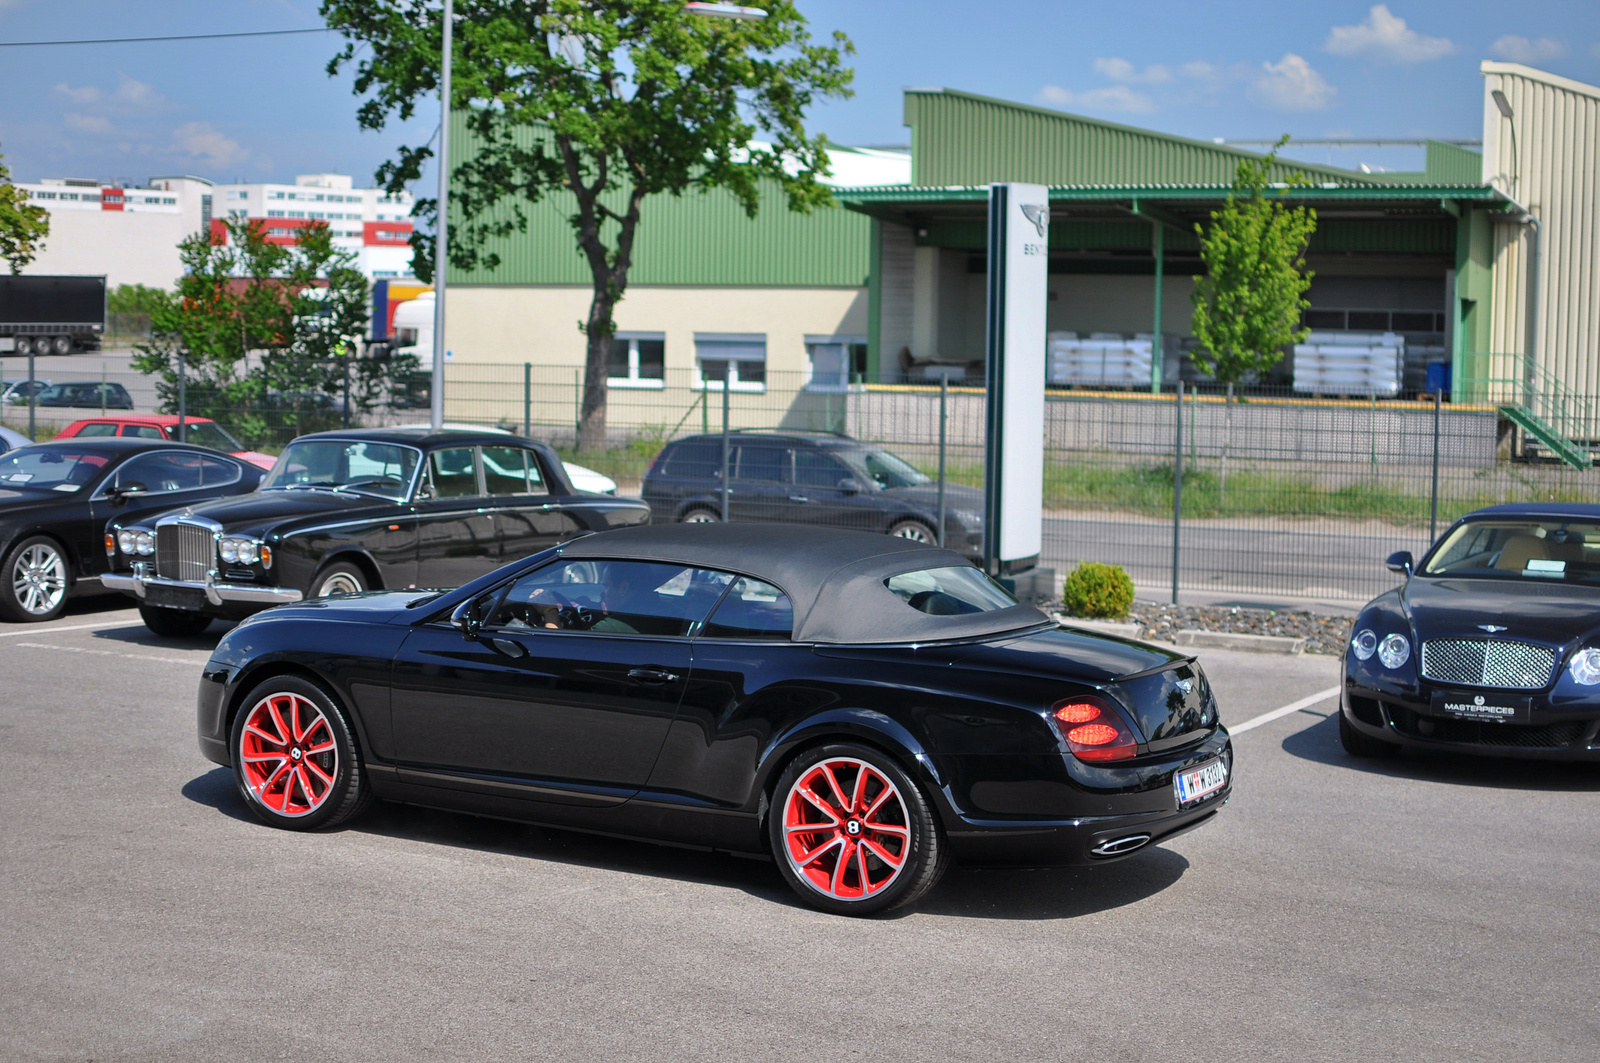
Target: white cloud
<point>1124,71</point>
<point>1111,98</point>
<point>84,97</point>
<point>127,97</point>
<point>1291,84</point>
<point>137,93</point>
<point>1521,50</point>
<point>85,123</point>
<point>202,141</point>
<point>1386,36</point>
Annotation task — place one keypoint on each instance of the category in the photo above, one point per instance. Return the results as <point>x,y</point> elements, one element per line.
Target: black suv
<point>809,478</point>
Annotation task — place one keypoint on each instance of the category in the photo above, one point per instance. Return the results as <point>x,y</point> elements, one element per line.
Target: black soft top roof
<point>833,578</point>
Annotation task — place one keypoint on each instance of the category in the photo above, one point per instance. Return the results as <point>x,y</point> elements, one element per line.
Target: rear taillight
<point>1093,730</point>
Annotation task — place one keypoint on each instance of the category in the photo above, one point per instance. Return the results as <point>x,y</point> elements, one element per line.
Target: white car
<point>10,440</point>
<point>583,478</point>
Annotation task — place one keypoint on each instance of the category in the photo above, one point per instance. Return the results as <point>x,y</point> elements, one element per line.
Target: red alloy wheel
<point>288,754</point>
<point>845,829</point>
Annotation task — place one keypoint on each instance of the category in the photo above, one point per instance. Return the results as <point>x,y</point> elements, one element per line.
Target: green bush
<point>1097,590</point>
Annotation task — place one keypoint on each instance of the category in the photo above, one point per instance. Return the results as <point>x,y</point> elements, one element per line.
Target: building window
<point>637,360</point>
<point>277,213</point>
<point>833,362</point>
<point>739,358</point>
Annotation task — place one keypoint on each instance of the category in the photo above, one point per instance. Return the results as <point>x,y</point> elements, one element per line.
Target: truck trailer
<point>51,315</point>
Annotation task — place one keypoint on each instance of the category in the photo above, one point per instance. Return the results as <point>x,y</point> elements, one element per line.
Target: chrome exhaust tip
<point>1121,846</point>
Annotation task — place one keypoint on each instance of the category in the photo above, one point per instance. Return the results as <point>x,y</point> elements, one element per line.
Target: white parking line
<point>1278,714</point>
<point>191,661</point>
<point>52,630</point>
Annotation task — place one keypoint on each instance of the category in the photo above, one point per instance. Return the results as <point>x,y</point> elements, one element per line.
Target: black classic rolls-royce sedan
<point>344,512</point>
<point>863,709</point>
<point>1492,645</point>
<point>56,497</point>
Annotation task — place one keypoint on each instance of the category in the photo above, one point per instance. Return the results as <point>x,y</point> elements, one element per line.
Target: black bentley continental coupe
<point>1492,646</point>
<point>56,497</point>
<point>863,709</point>
<point>344,512</point>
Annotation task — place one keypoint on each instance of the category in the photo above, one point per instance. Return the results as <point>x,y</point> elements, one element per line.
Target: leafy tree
<point>605,102</point>
<point>23,226</point>
<point>1248,304</point>
<point>136,299</point>
<point>264,331</point>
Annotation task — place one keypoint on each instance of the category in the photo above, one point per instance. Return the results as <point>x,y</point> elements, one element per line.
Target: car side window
<point>99,428</point>
<point>455,474</point>
<point>511,471</point>
<point>752,610</point>
<point>142,431</point>
<point>762,461</point>
<point>609,598</point>
<point>695,459</point>
<point>168,471</point>
<point>813,468</point>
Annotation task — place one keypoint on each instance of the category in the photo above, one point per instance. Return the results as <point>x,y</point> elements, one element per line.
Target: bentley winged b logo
<point>1038,215</point>
<point>1490,628</point>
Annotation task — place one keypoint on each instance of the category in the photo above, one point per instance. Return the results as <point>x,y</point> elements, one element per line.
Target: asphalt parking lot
<point>1429,908</point>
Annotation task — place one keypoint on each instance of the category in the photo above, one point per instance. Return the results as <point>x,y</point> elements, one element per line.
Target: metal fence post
<point>577,407</point>
<point>1177,490</point>
<point>183,399</point>
<point>727,382</point>
<point>32,396</point>
<point>527,400</point>
<point>1433,505</point>
<point>944,398</point>
<point>347,385</point>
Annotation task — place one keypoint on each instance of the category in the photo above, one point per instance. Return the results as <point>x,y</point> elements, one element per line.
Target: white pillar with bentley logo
<point>1019,245</point>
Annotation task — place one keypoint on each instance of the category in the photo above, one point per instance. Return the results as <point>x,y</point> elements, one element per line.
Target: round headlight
<point>229,549</point>
<point>1364,645</point>
<point>247,551</point>
<point>126,542</point>
<point>1394,651</point>
<point>144,543</point>
<point>1585,667</point>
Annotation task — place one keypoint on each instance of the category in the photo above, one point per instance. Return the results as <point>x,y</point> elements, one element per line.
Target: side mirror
<point>1400,561</point>
<point>850,486</point>
<point>464,618</point>
<point>119,496</point>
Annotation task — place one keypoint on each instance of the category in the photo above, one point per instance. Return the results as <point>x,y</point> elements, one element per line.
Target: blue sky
<point>265,110</point>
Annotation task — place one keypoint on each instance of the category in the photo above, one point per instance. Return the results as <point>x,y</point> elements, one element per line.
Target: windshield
<point>1560,551</point>
<point>206,434</point>
<point>374,468</point>
<point>878,466</point>
<point>51,468</point>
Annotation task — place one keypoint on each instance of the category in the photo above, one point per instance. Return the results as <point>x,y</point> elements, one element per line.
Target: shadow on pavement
<point>1320,743</point>
<point>136,634</point>
<point>1046,893</point>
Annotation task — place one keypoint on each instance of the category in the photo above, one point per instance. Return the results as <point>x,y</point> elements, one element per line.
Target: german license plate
<point>1200,782</point>
<point>188,598</point>
<point>1490,708</point>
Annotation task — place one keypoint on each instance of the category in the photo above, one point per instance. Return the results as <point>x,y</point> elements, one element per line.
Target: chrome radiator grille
<point>184,552</point>
<point>1488,663</point>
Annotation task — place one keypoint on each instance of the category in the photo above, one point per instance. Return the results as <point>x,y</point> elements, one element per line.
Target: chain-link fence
<point>1282,494</point>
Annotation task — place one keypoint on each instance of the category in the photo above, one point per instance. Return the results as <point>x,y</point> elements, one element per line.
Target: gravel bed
<point>1323,633</point>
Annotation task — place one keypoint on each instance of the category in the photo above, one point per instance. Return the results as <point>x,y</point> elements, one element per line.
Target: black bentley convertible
<point>1492,646</point>
<point>344,512</point>
<point>864,709</point>
<point>56,497</point>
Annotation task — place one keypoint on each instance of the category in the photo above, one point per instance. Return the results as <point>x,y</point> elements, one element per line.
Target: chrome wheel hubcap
<point>39,579</point>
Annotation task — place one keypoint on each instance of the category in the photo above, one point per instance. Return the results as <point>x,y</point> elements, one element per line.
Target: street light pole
<point>441,246</point>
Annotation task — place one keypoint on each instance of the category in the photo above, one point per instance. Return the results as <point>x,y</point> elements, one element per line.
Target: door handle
<point>652,675</point>
<point>798,498</point>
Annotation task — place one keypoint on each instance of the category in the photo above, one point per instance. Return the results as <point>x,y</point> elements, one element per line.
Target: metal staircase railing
<point>1560,419</point>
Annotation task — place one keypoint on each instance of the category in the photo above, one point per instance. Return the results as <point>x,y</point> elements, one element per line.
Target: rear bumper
<point>217,594</point>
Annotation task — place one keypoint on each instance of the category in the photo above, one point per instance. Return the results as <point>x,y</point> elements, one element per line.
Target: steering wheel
<point>576,617</point>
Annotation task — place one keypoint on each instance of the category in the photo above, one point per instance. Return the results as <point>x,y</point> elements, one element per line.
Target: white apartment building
<point>131,233</point>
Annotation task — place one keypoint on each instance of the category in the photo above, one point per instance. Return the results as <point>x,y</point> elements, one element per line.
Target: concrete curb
<point>1229,640</point>
<point>1101,627</point>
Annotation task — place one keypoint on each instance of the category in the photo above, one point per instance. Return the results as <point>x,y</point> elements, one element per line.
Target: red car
<point>201,431</point>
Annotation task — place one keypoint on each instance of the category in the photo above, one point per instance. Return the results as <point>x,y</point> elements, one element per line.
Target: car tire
<point>294,756</point>
<point>61,345</point>
<point>22,347</point>
<point>173,623</point>
<point>1359,745</point>
<point>701,515</point>
<point>849,792</point>
<point>338,579</point>
<point>34,580</point>
<point>915,530</point>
